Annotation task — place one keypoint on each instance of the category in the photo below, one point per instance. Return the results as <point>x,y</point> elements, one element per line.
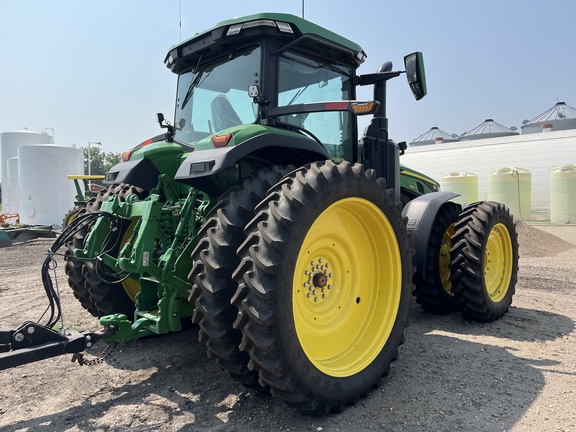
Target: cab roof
<point>259,26</point>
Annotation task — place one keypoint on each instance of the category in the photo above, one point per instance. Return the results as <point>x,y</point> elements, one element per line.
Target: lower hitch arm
<point>33,342</point>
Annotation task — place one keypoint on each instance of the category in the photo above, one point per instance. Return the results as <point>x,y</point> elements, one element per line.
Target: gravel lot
<point>517,374</point>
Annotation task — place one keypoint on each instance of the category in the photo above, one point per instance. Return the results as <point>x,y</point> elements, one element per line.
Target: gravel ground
<point>516,374</point>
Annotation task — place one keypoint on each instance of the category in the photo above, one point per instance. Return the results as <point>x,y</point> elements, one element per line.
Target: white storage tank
<point>9,143</point>
<point>563,195</point>
<point>46,194</point>
<point>12,205</point>
<point>463,183</point>
<point>512,186</point>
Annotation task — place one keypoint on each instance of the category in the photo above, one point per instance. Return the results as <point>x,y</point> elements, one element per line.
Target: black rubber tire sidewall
<point>430,292</point>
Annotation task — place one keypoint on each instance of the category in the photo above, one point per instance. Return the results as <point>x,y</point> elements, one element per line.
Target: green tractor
<point>264,217</point>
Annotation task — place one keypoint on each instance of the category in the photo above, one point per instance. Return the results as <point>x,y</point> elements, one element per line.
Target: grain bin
<point>9,143</point>
<point>46,194</point>
<point>512,186</point>
<point>563,194</point>
<point>463,183</point>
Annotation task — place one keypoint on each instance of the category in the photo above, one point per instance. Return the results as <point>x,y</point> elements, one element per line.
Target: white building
<point>538,153</point>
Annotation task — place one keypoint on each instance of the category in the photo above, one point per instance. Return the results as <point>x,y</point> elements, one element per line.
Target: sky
<point>87,70</point>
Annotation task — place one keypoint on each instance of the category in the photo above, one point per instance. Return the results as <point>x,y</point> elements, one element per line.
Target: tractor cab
<point>274,88</point>
<point>263,70</point>
<point>244,87</point>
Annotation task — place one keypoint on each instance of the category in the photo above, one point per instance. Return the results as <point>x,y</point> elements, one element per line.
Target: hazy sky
<point>94,71</point>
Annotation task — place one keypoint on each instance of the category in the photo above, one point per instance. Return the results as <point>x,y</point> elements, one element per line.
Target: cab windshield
<point>215,96</point>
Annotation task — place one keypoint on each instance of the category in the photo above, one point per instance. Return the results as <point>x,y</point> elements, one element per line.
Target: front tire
<point>485,261</point>
<point>324,286</point>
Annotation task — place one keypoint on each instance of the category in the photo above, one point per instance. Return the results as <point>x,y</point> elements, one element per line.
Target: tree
<point>100,162</point>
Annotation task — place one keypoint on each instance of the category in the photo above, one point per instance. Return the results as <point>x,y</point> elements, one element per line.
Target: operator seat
<point>223,114</point>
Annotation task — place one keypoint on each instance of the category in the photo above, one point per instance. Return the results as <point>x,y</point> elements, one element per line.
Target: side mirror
<point>160,118</point>
<point>414,64</point>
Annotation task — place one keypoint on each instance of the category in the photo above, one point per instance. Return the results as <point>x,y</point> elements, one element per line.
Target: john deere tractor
<point>263,216</point>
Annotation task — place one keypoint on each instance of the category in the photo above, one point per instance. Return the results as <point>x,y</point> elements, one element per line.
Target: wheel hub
<point>318,277</point>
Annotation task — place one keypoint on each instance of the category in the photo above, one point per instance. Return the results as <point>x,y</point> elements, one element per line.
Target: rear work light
<point>237,28</point>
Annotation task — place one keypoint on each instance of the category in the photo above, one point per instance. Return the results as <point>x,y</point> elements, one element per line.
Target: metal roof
<point>560,117</point>
<point>560,111</point>
<point>487,129</point>
<point>433,136</point>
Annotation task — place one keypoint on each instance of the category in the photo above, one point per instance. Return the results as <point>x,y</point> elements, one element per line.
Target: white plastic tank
<point>12,205</point>
<point>512,186</point>
<point>463,183</point>
<point>563,195</point>
<point>9,143</point>
<point>46,194</point>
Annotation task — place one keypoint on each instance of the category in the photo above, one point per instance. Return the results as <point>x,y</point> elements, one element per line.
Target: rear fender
<point>206,169</point>
<point>421,213</point>
<point>141,173</point>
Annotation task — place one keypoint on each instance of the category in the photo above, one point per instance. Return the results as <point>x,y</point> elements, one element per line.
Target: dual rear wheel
<point>320,287</point>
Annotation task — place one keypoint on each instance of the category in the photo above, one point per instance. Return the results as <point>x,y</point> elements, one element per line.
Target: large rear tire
<point>484,268</point>
<point>96,295</point>
<point>211,276</point>
<point>434,291</point>
<point>324,286</point>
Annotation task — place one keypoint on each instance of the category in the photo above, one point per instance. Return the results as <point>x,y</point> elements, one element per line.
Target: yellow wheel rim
<point>498,262</point>
<point>131,286</point>
<point>71,218</point>
<point>347,287</point>
<point>444,259</point>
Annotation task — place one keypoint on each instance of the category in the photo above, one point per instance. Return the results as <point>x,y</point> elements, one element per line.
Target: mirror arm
<point>165,124</point>
<point>373,78</point>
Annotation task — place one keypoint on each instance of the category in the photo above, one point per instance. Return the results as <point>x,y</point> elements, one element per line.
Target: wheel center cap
<point>319,280</point>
